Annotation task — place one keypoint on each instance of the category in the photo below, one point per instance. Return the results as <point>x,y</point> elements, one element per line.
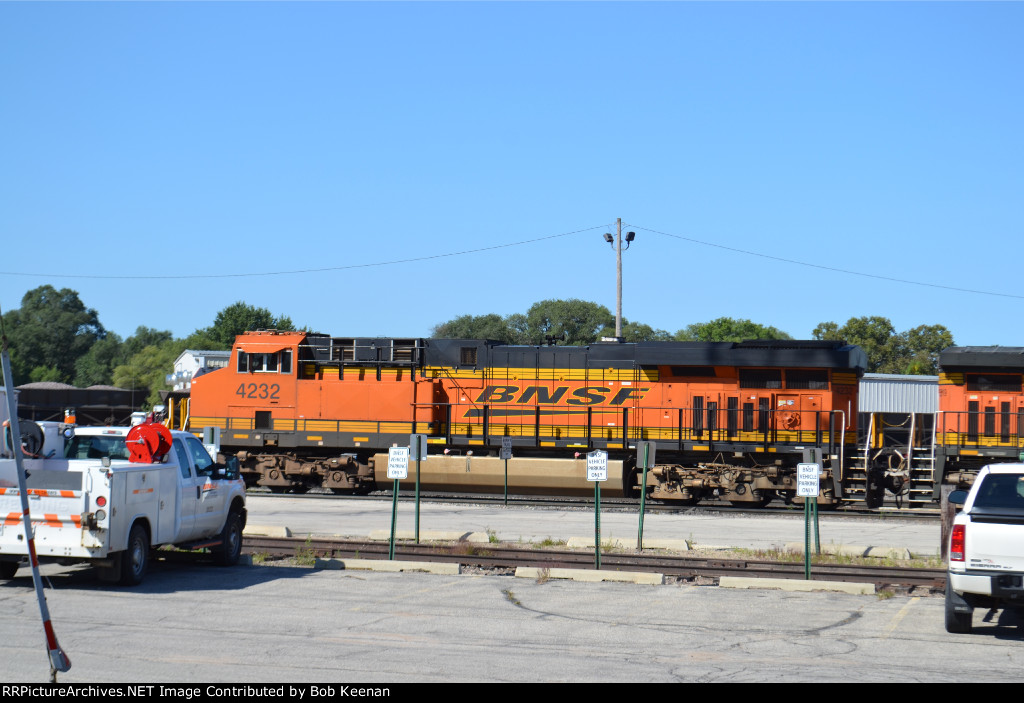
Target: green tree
<point>145,337</point>
<point>51,330</point>
<point>875,335</point>
<point>573,322</point>
<point>638,332</point>
<point>915,351</point>
<point>728,329</point>
<point>147,370</point>
<point>921,346</point>
<point>241,317</point>
<point>96,366</point>
<point>490,326</point>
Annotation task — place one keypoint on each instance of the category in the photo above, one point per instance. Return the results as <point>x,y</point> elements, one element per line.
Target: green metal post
<point>807,539</point>
<point>817,534</point>
<point>643,500</point>
<point>419,453</point>
<point>597,525</point>
<point>394,520</point>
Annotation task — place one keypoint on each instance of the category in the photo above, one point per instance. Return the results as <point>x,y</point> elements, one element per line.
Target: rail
<point>499,556</point>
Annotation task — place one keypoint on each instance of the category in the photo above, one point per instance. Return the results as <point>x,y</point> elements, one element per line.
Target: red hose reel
<point>148,443</point>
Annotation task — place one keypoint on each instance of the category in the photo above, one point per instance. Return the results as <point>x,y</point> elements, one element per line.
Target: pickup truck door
<point>211,510</point>
<point>189,493</point>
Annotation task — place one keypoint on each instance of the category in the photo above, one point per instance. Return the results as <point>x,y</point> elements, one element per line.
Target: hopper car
<point>732,420</point>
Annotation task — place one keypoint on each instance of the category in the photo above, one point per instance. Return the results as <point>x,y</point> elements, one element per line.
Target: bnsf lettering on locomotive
<point>593,395</point>
<point>542,395</point>
<point>261,391</point>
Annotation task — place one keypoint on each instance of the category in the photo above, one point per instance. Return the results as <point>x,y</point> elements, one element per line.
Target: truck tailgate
<point>995,544</point>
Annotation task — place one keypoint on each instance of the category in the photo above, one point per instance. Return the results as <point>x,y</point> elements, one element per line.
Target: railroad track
<point>504,558</point>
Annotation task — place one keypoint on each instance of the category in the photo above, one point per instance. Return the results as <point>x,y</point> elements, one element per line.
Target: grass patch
<point>543,575</point>
<point>306,556</point>
<point>549,542</point>
<point>468,549</point>
<point>511,597</point>
<point>780,555</point>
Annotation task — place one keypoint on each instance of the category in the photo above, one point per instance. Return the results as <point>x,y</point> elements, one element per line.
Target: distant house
<point>195,362</point>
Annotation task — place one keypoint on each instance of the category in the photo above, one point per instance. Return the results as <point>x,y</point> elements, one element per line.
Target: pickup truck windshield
<point>96,447</point>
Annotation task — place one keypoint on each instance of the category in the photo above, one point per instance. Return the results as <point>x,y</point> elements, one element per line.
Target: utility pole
<point>617,244</point>
<point>618,279</point>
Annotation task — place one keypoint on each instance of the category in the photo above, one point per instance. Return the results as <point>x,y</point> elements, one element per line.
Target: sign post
<point>807,487</point>
<point>398,469</point>
<point>418,449</point>
<point>597,471</point>
<point>505,455</point>
<point>645,457</point>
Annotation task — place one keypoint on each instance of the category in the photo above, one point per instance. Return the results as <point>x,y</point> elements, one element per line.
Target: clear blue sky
<point>262,148</point>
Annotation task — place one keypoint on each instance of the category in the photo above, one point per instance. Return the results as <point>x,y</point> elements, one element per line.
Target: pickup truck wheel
<point>228,553</point>
<point>957,623</point>
<point>8,569</point>
<point>136,558</point>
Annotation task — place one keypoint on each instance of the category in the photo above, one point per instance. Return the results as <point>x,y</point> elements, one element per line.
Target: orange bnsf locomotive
<point>302,410</point>
<point>981,412</point>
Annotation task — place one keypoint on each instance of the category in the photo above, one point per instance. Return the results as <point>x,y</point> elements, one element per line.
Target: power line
<point>828,268</point>
<point>506,246</point>
<point>297,271</point>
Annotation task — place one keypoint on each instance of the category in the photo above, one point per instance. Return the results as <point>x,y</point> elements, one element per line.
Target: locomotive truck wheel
<point>228,553</point>
<point>136,558</point>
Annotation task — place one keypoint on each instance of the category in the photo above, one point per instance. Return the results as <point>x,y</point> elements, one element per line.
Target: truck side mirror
<point>958,497</point>
<point>231,470</point>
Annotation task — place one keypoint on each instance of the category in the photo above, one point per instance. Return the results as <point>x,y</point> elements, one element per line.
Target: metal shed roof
<point>891,393</point>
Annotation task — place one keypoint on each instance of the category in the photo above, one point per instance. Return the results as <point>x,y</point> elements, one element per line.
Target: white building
<point>194,362</point>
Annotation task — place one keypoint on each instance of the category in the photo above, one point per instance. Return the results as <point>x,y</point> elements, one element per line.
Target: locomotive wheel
<point>765,499</point>
<point>8,569</point>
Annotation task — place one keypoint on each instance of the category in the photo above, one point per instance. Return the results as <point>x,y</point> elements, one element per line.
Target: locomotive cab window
<point>278,362</point>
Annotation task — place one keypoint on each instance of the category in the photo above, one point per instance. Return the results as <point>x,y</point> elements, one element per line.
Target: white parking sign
<point>398,462</point>
<point>807,480</point>
<point>597,466</point>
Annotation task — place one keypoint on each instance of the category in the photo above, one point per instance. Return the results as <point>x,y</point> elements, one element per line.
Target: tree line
<point>579,322</point>
<point>53,336</point>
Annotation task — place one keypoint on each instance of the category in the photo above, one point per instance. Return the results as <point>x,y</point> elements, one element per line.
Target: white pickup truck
<point>112,512</point>
<point>986,546</point>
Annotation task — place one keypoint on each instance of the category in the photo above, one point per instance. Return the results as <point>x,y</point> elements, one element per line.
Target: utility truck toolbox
<point>113,512</point>
<point>986,546</point>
